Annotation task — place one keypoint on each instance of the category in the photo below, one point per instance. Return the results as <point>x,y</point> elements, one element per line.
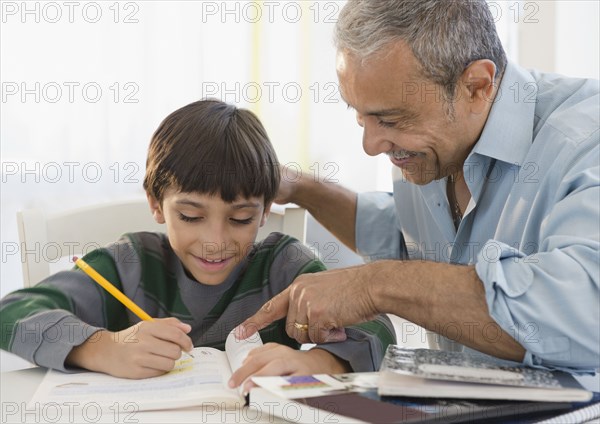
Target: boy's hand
<point>146,349</point>
<point>278,359</point>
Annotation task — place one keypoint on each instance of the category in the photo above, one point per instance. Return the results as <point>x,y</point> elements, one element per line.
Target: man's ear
<point>265,214</point>
<point>479,82</point>
<point>155,208</point>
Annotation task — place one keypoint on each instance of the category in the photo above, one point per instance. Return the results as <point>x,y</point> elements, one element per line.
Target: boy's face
<point>209,235</point>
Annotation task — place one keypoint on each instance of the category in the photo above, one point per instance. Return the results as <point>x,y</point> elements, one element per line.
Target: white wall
<point>557,36</point>
<point>577,35</point>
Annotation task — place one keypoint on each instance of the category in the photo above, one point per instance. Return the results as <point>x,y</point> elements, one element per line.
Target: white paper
<point>192,381</point>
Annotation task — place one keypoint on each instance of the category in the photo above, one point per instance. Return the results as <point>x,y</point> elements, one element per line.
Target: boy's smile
<point>209,235</point>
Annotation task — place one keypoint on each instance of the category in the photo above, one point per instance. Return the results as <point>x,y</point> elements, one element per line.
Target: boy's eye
<point>186,218</point>
<point>243,221</point>
<point>386,124</point>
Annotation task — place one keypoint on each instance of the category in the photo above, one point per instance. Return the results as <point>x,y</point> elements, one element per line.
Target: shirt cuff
<point>49,345</point>
<point>506,279</point>
<point>359,350</point>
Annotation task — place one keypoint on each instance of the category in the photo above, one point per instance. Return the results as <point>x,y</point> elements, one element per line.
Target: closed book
<point>443,374</point>
<point>324,399</point>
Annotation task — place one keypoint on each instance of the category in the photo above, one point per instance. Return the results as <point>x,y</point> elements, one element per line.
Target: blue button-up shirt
<point>532,226</point>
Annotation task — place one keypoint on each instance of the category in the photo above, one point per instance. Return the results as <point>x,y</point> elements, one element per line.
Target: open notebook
<point>194,381</point>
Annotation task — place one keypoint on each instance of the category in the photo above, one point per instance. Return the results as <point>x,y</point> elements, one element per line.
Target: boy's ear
<point>155,208</point>
<point>265,214</point>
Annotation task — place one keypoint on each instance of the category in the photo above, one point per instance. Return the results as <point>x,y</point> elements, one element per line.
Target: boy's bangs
<point>231,171</point>
<point>212,148</point>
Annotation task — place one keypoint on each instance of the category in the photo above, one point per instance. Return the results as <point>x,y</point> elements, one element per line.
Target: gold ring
<point>301,327</point>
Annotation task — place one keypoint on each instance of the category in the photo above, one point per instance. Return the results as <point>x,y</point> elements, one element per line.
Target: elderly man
<point>491,237</point>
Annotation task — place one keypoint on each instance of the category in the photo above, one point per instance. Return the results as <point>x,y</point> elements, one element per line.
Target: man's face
<point>209,236</point>
<point>405,116</point>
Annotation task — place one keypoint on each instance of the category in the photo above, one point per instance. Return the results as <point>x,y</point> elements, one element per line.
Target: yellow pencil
<point>118,294</point>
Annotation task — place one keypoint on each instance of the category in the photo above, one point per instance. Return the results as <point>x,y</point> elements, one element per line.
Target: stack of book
<point>428,386</point>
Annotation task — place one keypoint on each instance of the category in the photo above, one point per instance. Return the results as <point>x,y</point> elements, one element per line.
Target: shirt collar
<point>508,132</point>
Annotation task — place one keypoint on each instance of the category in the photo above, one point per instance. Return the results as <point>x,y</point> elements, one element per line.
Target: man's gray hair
<point>444,35</point>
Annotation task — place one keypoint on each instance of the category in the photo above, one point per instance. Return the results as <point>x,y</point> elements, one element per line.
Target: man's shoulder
<point>567,106</point>
<point>564,89</point>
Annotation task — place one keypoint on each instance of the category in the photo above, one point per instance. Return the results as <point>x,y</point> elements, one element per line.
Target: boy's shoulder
<point>139,244</point>
<point>275,244</point>
<point>279,251</point>
<point>274,239</point>
<point>145,238</point>
<point>142,238</point>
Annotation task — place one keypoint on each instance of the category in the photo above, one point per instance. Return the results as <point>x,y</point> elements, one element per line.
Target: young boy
<point>211,175</point>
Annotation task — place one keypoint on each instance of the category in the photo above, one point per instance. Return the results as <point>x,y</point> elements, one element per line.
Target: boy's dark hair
<point>211,147</point>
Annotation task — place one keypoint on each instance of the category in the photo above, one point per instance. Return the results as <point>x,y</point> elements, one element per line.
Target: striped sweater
<point>43,323</point>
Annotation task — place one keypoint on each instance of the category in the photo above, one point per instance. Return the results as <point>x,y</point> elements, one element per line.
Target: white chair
<point>54,239</point>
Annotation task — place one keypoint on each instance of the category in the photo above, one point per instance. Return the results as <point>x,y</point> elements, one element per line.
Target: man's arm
<point>364,343</point>
<point>448,299</point>
<point>331,204</point>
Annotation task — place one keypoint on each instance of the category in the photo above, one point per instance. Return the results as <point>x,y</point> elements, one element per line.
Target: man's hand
<point>290,177</point>
<point>318,306</point>
<point>277,359</point>
<point>146,349</point>
<point>332,205</point>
